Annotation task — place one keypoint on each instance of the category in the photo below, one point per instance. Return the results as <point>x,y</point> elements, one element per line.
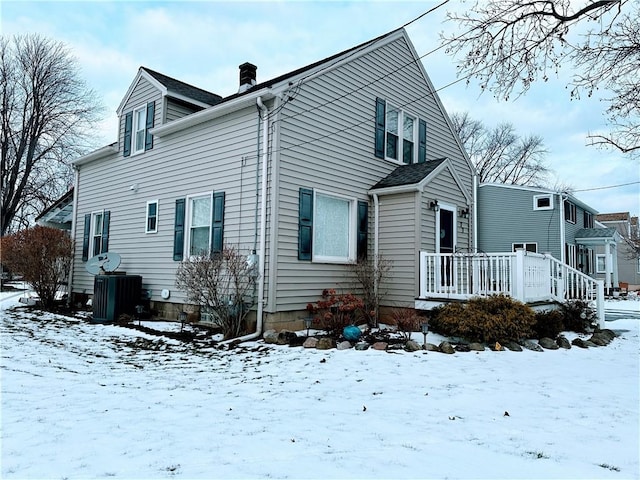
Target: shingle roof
<point>184,89</point>
<point>409,174</point>
<point>613,217</point>
<point>596,233</point>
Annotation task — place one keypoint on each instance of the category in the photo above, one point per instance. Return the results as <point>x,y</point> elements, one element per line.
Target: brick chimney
<point>247,76</point>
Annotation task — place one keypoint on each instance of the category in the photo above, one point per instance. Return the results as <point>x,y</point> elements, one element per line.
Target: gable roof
<point>409,174</point>
<point>173,88</point>
<point>184,89</point>
<point>60,212</point>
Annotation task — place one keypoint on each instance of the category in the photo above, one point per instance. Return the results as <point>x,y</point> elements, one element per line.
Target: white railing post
<point>517,275</point>
<point>600,303</point>
<point>422,273</point>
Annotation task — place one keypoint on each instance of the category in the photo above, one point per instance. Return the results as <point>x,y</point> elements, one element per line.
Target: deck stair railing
<point>525,276</point>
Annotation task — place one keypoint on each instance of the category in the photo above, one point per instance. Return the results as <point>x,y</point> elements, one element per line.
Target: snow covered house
<point>350,156</point>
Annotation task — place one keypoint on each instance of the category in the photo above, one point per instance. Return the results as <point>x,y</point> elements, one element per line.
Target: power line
<point>607,187</point>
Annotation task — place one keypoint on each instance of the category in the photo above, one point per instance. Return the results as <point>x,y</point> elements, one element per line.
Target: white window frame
<point>352,202</point>
<point>95,233</point>
<point>147,217</point>
<point>573,209</point>
<point>136,128</point>
<point>536,198</point>
<point>400,147</point>
<point>188,222</point>
<point>601,257</point>
<point>523,245</point>
<point>638,264</point>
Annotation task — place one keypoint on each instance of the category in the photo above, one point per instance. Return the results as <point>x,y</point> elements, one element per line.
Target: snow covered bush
<point>43,256</point>
<point>578,316</point>
<point>225,283</point>
<point>486,319</point>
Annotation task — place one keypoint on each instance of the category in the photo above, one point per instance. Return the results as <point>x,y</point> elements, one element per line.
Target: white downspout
<point>475,214</point>
<point>563,260</point>
<point>263,226</point>
<point>376,247</point>
<point>74,222</point>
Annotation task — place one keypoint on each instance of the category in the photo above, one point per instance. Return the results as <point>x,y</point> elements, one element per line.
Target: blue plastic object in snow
<point>351,333</point>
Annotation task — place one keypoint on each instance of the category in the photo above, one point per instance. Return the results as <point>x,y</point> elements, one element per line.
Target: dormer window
<point>137,123</point>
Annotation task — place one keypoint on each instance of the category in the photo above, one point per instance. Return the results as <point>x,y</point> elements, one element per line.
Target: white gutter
<point>263,225</point>
<point>96,155</point>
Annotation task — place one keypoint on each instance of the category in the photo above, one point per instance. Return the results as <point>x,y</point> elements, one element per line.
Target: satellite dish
<point>103,263</point>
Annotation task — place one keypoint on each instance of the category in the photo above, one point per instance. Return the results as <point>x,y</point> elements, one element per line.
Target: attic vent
<point>247,76</point>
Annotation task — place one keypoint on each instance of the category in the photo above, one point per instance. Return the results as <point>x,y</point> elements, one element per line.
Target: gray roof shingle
<point>184,89</point>
<point>596,233</point>
<point>408,174</point>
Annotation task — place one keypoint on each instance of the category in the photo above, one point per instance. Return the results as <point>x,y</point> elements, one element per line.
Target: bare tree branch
<point>46,114</point>
<point>509,44</point>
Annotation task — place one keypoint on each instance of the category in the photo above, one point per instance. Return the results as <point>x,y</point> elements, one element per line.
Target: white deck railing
<point>525,276</point>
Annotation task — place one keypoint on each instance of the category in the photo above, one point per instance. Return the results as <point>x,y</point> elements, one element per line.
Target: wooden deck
<point>531,278</point>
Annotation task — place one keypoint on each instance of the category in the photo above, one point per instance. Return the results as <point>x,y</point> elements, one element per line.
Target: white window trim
<point>572,208</point>
<point>454,210</point>
<point>352,229</point>
<point>537,197</point>
<point>93,232</point>
<point>638,264</point>
<point>400,147</point>
<point>187,222</point>
<point>524,246</point>
<point>134,129</point>
<point>146,218</point>
<point>602,256</point>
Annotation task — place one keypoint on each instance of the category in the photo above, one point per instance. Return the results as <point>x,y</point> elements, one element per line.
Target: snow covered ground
<point>98,401</point>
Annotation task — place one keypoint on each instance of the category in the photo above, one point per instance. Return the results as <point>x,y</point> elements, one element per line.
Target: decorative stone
<point>563,342</point>
<point>412,346</point>
<point>430,347</point>
<point>446,347</point>
<point>607,333</point>
<point>462,347</point>
<point>548,343</point>
<point>270,336</point>
<point>529,345</point>
<point>380,346</point>
<point>496,347</point>
<point>343,345</point>
<point>325,343</point>
<point>285,337</point>
<point>589,343</point>
<point>598,340</point>
<point>362,346</point>
<point>578,342</point>
<point>310,342</point>
<point>351,333</point>
<point>513,346</point>
<point>476,347</point>
<point>297,341</point>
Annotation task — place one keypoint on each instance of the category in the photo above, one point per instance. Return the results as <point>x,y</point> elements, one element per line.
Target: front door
<point>445,243</point>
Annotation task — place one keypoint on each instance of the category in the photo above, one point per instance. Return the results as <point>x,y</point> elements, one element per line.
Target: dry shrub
<point>43,256</point>
<point>486,319</point>
<point>549,323</point>
<point>335,311</point>
<point>406,320</point>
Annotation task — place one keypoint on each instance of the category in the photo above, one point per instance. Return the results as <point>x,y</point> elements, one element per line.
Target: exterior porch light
<point>464,213</point>
<point>424,326</point>
<point>434,205</point>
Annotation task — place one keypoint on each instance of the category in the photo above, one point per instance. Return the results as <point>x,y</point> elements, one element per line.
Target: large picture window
<point>334,228</point>
<point>331,228</point>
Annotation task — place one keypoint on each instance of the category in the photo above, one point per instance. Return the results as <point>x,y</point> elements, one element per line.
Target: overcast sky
<point>203,43</point>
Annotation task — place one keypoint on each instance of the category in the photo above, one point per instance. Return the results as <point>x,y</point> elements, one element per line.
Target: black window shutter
<point>305,223</point>
<point>422,141</point>
<point>128,126</point>
<point>86,237</point>
<point>381,107</point>
<point>363,229</point>
<point>148,140</point>
<point>106,217</point>
<point>178,232</point>
<point>217,222</point>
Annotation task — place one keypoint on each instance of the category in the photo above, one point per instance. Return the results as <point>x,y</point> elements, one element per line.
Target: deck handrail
<point>526,276</point>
